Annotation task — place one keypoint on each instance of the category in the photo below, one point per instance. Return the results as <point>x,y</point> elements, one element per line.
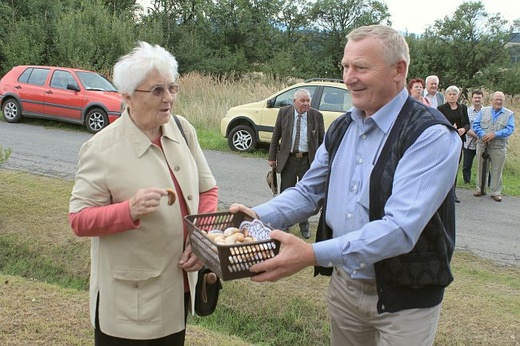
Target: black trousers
<point>467,163</point>
<point>176,339</point>
<point>293,172</point>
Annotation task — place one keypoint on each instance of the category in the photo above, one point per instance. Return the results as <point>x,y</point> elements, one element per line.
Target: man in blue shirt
<point>493,126</point>
<point>381,195</point>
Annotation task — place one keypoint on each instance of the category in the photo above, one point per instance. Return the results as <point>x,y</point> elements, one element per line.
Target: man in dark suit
<point>297,134</point>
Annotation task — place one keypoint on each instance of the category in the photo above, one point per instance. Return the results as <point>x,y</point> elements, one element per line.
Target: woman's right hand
<point>145,201</point>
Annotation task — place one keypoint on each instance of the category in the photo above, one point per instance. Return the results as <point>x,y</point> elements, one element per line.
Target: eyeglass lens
<point>159,91</point>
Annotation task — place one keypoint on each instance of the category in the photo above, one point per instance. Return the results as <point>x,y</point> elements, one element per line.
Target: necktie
<point>297,135</point>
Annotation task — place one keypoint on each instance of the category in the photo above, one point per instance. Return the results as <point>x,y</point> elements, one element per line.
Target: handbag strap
<point>180,127</point>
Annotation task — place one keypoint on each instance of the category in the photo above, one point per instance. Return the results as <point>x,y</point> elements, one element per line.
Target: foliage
<point>283,38</point>
<point>4,154</point>
<point>466,50</point>
<point>92,38</point>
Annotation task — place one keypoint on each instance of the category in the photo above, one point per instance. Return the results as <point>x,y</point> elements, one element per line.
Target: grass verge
<point>44,272</point>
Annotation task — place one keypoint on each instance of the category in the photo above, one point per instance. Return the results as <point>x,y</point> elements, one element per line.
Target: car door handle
<point>48,92</point>
<point>18,87</point>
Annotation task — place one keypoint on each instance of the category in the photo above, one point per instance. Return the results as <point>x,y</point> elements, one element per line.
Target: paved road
<point>53,152</point>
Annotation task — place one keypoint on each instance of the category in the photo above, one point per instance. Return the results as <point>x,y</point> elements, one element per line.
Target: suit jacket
<point>280,150</point>
<point>459,117</point>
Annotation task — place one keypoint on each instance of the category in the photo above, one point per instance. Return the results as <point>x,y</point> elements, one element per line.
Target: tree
<point>460,48</point>
<point>91,37</point>
<point>334,19</point>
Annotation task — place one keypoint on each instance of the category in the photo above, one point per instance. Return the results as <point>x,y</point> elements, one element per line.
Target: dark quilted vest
<point>416,279</point>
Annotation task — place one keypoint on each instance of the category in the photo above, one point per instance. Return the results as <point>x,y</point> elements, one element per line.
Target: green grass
<point>43,260</point>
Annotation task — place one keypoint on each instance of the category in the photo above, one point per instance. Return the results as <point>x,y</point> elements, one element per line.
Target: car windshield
<point>94,81</point>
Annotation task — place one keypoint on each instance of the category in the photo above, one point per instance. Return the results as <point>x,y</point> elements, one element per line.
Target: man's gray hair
<point>430,78</point>
<point>300,92</point>
<point>393,43</point>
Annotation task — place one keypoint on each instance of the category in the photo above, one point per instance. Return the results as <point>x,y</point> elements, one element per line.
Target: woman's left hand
<point>189,262</point>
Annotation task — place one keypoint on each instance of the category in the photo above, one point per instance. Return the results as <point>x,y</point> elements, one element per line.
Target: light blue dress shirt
<point>424,176</point>
<point>503,133</point>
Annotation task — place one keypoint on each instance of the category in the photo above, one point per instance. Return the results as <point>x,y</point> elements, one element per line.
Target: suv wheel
<point>242,138</point>
<point>96,120</point>
<point>12,111</point>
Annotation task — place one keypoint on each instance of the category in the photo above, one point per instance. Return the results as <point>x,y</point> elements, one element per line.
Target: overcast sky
<point>414,16</point>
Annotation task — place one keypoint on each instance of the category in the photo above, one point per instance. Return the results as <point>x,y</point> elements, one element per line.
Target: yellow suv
<point>248,125</point>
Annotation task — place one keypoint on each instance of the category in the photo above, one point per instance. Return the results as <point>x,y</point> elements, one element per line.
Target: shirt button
<point>176,168</point>
<point>329,264</point>
<point>362,265</point>
<point>354,272</point>
<point>189,198</point>
<point>136,285</point>
<point>353,188</point>
<point>364,136</point>
<point>360,161</point>
<point>349,216</point>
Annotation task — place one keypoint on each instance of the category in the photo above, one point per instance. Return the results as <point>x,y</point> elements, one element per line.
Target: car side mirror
<point>270,103</point>
<point>73,87</point>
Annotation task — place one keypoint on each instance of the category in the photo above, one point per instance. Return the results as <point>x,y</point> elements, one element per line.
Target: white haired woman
<point>143,273</point>
<point>457,114</point>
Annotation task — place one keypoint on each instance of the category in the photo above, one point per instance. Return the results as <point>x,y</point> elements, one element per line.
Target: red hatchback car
<point>59,93</point>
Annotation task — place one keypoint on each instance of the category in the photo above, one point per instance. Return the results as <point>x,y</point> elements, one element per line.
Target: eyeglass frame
<point>157,88</point>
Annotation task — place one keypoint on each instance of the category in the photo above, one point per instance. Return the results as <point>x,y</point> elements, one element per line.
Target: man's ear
<point>400,68</point>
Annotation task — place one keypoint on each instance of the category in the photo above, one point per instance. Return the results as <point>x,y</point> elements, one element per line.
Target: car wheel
<point>96,120</point>
<point>242,138</point>
<point>12,111</point>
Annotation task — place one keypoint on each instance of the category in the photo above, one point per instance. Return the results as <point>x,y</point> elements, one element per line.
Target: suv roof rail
<point>324,80</point>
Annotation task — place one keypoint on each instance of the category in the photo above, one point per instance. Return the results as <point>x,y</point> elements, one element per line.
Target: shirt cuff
<point>328,253</point>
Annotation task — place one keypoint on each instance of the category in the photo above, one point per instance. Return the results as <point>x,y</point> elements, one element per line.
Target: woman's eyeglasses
<point>158,91</point>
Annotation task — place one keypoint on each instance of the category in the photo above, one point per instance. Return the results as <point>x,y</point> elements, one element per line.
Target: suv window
<point>287,97</point>
<point>60,79</point>
<point>36,76</point>
<point>335,100</point>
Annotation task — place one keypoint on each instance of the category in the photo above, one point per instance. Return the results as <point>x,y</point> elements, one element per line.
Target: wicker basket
<point>229,262</point>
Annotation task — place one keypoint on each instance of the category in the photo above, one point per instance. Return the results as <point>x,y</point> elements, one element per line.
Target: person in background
<point>416,88</point>
<point>457,115</point>
<point>493,126</point>
<point>432,93</point>
<point>384,180</point>
<point>143,272</point>
<point>470,144</point>
<point>297,134</point>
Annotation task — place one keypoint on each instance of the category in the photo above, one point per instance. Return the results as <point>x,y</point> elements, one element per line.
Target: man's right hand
<point>272,163</point>
<point>235,208</point>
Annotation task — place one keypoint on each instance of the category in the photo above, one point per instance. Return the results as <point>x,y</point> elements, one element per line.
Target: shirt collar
<point>138,140</point>
<point>497,112</point>
<point>385,117</point>
<point>296,113</point>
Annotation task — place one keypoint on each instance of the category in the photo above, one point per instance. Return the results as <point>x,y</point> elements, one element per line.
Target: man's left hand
<point>488,136</point>
<point>295,254</point>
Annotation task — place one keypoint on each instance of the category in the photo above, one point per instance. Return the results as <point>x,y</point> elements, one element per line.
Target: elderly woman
<point>142,268</point>
<point>456,113</point>
<point>416,89</point>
